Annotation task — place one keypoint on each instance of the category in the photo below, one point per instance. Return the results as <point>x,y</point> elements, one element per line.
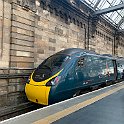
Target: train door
<point>115,69</point>
<point>92,67</point>
<point>120,68</point>
<point>85,72</point>
<point>80,63</point>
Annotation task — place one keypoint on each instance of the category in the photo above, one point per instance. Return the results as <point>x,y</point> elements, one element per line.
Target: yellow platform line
<point>65,112</point>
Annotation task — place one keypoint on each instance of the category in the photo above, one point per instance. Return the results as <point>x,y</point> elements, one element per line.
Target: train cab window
<point>55,61</point>
<point>80,62</point>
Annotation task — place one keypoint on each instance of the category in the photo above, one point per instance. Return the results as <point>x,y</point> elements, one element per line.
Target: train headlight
<point>53,81</point>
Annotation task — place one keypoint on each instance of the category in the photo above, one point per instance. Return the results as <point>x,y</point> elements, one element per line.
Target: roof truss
<point>110,9</point>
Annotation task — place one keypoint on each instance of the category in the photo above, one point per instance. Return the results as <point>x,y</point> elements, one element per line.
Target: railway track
<point>12,111</point>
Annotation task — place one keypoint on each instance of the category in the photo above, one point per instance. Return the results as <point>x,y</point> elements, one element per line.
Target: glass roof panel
<point>114,17</point>
<point>117,19</point>
<point>92,2</point>
<point>103,4</point>
<point>122,25</point>
<point>121,12</point>
<point>114,2</point>
<point>110,19</point>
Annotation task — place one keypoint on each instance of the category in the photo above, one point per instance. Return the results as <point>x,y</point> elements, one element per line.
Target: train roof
<point>72,51</point>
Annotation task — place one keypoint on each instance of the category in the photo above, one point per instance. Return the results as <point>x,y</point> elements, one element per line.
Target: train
<point>68,72</point>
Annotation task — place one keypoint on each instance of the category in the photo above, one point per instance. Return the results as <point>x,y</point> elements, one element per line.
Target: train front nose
<point>36,90</point>
<point>37,94</point>
<point>38,86</point>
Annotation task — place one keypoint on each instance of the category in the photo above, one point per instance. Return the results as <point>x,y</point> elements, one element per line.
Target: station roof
<point>115,17</point>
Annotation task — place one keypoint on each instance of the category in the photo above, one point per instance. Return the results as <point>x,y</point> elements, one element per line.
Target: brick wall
<point>53,35</point>
<point>5,32</point>
<point>22,40</point>
<point>30,33</point>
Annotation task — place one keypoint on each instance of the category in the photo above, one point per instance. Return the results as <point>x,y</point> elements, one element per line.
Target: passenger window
<point>80,62</point>
<point>93,66</point>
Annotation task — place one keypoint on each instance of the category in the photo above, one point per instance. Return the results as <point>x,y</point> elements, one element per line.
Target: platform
<point>104,106</point>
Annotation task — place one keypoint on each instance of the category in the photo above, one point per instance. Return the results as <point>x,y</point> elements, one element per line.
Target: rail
<point>12,111</point>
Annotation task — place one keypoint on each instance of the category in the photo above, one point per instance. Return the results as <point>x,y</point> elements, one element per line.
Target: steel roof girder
<point>121,21</point>
<point>97,3</point>
<point>110,9</point>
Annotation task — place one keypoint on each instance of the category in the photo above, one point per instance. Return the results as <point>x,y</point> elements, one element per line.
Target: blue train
<point>66,73</point>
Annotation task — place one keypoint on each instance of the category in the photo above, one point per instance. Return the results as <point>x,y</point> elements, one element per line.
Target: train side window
<point>80,62</point>
<point>93,66</point>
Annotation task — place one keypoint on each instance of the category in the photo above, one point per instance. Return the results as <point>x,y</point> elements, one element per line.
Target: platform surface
<point>109,110</point>
<point>104,106</point>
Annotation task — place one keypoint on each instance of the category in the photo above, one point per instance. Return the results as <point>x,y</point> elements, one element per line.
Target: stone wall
<point>16,50</point>
<point>66,24</point>
<point>53,35</point>
<point>22,37</point>
<point>121,45</point>
<point>5,32</point>
<point>32,30</point>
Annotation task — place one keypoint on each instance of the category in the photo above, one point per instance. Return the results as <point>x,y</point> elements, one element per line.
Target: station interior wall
<point>31,31</point>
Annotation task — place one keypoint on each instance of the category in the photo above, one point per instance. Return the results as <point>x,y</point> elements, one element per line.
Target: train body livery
<point>69,71</point>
